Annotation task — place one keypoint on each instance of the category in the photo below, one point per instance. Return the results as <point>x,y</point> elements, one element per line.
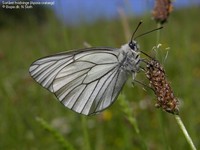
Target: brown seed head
<point>157,81</point>
<point>161,10</point>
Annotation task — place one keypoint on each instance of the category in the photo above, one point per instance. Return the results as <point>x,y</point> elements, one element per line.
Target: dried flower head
<point>161,10</point>
<point>157,81</point>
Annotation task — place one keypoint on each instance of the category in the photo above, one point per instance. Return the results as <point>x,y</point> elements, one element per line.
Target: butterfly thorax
<point>131,58</point>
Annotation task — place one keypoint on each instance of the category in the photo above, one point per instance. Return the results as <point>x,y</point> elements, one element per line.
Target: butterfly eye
<point>132,45</point>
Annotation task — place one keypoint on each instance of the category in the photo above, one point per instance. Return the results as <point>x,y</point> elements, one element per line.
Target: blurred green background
<point>27,36</point>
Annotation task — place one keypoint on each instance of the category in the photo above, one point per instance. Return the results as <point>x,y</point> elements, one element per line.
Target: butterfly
<point>88,80</point>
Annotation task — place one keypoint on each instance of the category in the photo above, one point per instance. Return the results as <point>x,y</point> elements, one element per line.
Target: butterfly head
<point>133,45</point>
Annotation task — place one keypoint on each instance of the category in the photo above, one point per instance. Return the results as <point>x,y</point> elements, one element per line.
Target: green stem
<point>158,34</point>
<point>58,137</point>
<point>187,136</point>
<point>85,133</point>
<point>157,38</point>
<point>130,117</point>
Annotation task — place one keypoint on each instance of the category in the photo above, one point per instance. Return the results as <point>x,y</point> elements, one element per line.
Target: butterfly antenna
<point>147,55</point>
<point>147,32</point>
<point>132,37</point>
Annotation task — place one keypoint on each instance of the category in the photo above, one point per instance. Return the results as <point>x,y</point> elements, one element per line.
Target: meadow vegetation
<point>132,122</point>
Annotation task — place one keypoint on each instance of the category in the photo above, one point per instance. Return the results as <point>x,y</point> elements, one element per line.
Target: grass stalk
<point>59,138</point>
<point>85,133</point>
<point>128,111</point>
<point>158,34</point>
<point>129,115</point>
<point>184,130</point>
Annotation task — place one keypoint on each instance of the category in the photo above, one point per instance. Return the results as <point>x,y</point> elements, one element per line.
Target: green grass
<point>23,101</point>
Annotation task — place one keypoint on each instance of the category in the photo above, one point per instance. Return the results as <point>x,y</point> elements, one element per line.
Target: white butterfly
<point>88,80</point>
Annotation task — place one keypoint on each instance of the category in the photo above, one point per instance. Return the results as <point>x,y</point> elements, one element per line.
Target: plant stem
<point>85,133</point>
<point>157,39</point>
<point>187,136</point>
<point>130,117</point>
<point>61,140</point>
<point>158,34</point>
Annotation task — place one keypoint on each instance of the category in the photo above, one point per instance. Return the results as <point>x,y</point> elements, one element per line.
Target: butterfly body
<point>131,58</point>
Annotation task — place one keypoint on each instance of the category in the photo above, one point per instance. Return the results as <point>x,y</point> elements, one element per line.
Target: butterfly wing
<point>86,81</point>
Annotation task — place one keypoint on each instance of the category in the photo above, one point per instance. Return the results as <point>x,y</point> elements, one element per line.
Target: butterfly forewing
<point>44,70</point>
<point>86,81</point>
